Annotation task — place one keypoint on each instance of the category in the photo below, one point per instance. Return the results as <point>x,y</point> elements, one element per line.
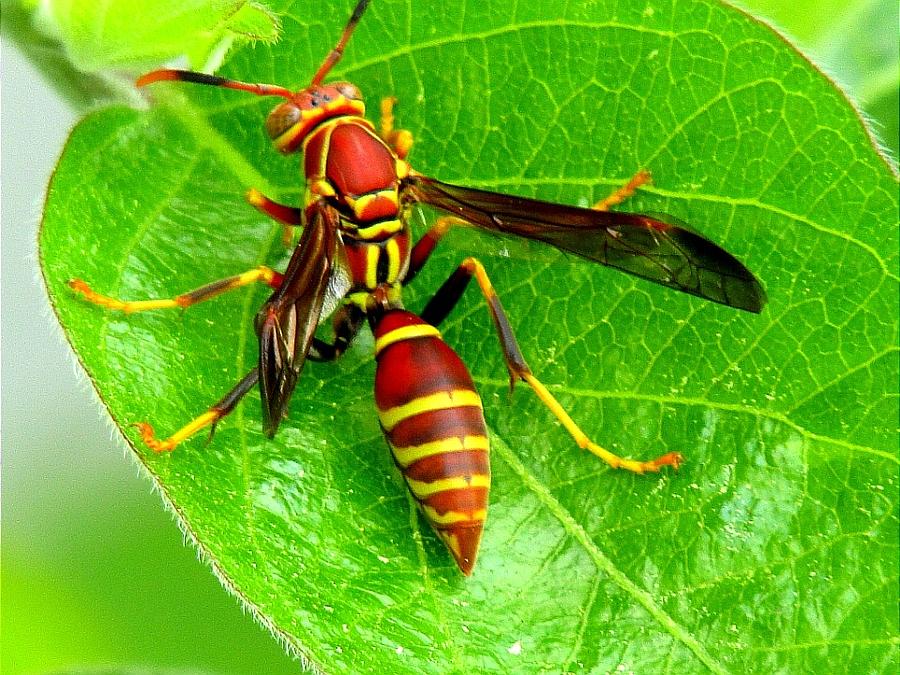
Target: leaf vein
<point>603,563</point>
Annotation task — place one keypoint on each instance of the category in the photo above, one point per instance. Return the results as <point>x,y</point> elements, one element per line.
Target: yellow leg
<point>188,430</point>
<point>518,369</point>
<point>640,178</point>
<point>262,273</point>
<point>400,140</point>
<point>425,246</point>
<point>672,459</point>
<point>208,419</point>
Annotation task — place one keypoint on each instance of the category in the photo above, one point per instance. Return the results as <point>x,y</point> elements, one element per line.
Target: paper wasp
<point>356,254</point>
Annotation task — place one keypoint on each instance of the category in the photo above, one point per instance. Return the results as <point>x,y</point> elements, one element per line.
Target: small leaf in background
<point>104,36</point>
<point>775,548</point>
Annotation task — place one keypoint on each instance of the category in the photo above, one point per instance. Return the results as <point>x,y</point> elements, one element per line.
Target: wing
<point>654,247</point>
<point>287,322</point>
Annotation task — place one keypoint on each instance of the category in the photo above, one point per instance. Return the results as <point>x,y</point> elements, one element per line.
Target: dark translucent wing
<point>287,322</point>
<point>654,247</point>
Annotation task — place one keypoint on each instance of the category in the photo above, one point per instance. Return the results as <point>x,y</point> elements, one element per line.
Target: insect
<point>356,254</point>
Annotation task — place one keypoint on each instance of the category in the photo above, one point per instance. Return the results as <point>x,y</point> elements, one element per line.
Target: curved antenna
<point>335,54</point>
<point>212,80</point>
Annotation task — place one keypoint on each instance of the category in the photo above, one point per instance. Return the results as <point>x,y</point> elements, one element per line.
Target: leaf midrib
<point>574,528</point>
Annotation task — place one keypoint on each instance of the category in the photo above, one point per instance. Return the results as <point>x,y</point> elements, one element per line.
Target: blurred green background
<point>94,571</point>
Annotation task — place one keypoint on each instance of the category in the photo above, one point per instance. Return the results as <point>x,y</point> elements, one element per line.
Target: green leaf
<point>775,548</point>
<point>102,36</point>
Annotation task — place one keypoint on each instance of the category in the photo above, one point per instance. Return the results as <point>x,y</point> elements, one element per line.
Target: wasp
<point>355,255</point>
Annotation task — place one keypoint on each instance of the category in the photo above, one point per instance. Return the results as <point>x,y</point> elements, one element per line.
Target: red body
<point>427,404</point>
<point>432,418</point>
<point>347,164</point>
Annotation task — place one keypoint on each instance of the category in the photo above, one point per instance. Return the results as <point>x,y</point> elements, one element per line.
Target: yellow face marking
<point>342,101</point>
<point>442,400</point>
<point>423,490</point>
<point>405,333</point>
<point>452,517</point>
<point>413,453</point>
<point>285,139</point>
<point>340,109</point>
<point>307,120</point>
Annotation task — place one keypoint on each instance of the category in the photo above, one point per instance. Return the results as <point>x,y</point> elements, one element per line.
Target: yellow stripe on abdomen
<point>442,400</point>
<point>409,455</point>
<point>422,489</point>
<point>405,333</point>
<point>452,517</point>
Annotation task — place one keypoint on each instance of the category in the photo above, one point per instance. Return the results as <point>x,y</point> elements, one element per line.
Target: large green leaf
<point>774,548</point>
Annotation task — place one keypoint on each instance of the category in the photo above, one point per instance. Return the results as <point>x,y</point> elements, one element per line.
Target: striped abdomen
<point>432,419</point>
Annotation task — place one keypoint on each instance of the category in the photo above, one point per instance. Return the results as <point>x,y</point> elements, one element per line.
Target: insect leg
<point>208,419</point>
<point>347,322</point>
<point>426,245</point>
<point>400,140</point>
<point>288,216</point>
<point>640,178</point>
<point>211,290</point>
<point>444,301</point>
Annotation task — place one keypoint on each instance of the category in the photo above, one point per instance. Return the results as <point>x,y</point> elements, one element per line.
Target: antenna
<point>335,54</point>
<point>261,89</point>
<point>212,80</point>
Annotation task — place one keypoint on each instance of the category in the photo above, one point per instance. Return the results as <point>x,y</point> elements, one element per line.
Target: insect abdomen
<point>432,418</point>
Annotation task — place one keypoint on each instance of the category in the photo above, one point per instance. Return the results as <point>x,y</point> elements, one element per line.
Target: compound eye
<point>281,119</point>
<point>348,90</point>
